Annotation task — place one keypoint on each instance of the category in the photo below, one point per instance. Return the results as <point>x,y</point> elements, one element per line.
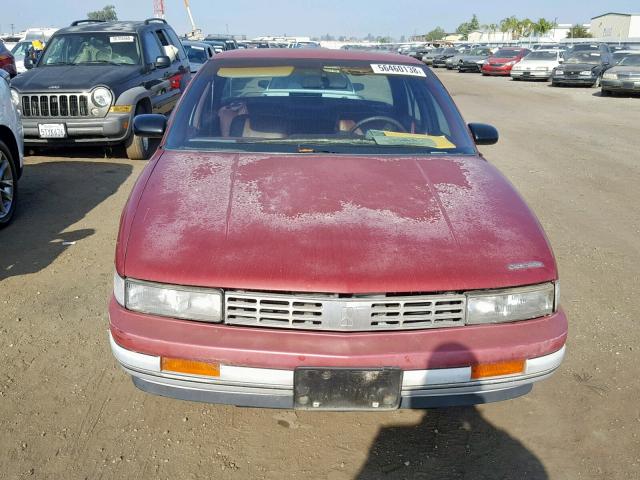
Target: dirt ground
<point>67,411</point>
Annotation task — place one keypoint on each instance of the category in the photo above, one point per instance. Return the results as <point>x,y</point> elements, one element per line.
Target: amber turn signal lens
<point>485,370</point>
<point>191,367</point>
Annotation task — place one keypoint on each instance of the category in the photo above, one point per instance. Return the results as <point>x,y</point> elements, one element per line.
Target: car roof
<point>112,27</point>
<point>317,54</point>
<point>192,42</point>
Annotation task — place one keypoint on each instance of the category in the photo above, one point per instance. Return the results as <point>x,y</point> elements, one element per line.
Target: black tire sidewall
<point>4,221</point>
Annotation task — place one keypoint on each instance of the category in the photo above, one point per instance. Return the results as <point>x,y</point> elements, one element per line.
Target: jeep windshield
<point>583,57</point>
<point>316,106</point>
<point>89,48</point>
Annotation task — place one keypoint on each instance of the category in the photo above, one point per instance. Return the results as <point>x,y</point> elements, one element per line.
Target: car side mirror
<point>163,62</point>
<point>561,60</point>
<point>28,63</point>
<point>484,134</point>
<point>150,125</point>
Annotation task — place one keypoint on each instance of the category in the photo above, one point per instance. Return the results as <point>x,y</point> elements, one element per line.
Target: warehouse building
<point>616,26</point>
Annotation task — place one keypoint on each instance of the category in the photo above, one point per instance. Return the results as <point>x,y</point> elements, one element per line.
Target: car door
<point>156,80</point>
<point>171,76</point>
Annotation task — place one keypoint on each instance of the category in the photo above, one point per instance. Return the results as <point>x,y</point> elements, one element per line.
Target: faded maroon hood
<point>330,224</point>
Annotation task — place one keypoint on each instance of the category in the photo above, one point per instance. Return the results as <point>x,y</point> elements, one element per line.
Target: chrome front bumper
<point>272,388</point>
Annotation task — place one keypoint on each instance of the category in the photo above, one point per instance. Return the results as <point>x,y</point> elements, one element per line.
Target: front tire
<point>8,185</point>
<point>139,148</point>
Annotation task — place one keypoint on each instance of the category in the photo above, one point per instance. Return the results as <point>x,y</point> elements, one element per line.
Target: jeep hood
<point>322,223</point>
<point>75,78</point>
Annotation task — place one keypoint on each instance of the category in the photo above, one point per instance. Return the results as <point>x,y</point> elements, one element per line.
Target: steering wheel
<point>388,120</point>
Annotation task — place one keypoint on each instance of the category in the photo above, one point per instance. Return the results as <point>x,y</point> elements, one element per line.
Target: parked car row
<point>612,68</point>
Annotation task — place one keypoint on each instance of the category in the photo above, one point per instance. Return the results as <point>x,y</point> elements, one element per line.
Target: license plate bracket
<point>342,389</point>
<point>52,130</point>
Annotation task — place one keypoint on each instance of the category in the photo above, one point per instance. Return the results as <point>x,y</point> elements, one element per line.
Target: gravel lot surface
<point>67,411</point>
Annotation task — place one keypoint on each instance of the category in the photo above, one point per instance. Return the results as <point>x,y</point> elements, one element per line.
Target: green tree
<point>108,14</point>
<point>466,28</point>
<point>543,26</point>
<point>578,31</point>
<point>437,33</point>
<point>510,24</point>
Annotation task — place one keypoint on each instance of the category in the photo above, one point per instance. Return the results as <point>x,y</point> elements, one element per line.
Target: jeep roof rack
<point>81,22</point>
<point>154,20</point>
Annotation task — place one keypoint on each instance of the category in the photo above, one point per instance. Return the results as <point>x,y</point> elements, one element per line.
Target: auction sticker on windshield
<point>389,69</point>
<point>122,39</point>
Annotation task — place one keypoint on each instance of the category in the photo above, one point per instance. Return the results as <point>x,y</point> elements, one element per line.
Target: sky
<point>312,18</point>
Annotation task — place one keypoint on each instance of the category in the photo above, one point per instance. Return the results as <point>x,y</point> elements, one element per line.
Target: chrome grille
<point>55,106</point>
<point>335,313</point>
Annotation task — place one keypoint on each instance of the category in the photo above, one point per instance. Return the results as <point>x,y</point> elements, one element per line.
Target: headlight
<point>15,98</point>
<point>101,97</point>
<point>586,73</point>
<point>610,76</point>
<point>189,303</point>
<point>559,72</point>
<point>542,68</point>
<point>511,305</point>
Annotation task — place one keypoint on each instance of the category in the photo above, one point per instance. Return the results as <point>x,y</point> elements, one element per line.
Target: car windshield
<point>481,51</point>
<point>632,60</point>
<point>504,53</point>
<point>450,51</point>
<point>542,56</point>
<point>20,50</point>
<point>583,57</point>
<point>318,106</point>
<point>196,53</point>
<point>436,51</point>
<point>114,48</point>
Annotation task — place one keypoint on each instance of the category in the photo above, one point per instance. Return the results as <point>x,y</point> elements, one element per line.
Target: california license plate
<point>347,389</point>
<point>52,130</point>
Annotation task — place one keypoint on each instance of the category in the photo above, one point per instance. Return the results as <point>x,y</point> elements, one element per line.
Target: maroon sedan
<point>319,231</point>
<point>501,62</point>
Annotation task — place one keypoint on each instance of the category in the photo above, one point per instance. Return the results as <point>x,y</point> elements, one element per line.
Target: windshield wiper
<point>54,64</point>
<point>110,62</point>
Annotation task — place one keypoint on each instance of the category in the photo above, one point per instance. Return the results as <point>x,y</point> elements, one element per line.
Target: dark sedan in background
<point>624,77</point>
<point>583,66</point>
<point>441,60</point>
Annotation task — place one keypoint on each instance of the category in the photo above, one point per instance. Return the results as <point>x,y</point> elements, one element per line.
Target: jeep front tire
<point>139,148</point>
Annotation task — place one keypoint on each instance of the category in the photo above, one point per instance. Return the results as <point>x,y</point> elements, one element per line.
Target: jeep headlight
<point>610,76</point>
<point>586,73</point>
<point>175,301</point>
<point>559,72</point>
<point>511,305</point>
<point>15,98</point>
<point>101,97</point>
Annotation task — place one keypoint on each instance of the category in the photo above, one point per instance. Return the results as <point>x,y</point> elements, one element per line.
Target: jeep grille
<point>54,106</point>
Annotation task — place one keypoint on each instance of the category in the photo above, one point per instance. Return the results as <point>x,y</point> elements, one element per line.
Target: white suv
<point>11,150</point>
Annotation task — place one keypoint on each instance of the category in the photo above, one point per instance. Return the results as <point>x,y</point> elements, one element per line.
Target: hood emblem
<point>515,267</point>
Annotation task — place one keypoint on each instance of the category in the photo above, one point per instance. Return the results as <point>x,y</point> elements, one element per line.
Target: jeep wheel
<point>8,185</point>
<point>139,148</point>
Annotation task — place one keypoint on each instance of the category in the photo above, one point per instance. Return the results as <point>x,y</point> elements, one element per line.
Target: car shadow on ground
<point>108,153</point>
<point>54,195</point>
<point>454,443</point>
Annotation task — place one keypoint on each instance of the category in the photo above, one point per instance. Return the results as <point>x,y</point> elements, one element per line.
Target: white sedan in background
<point>538,65</point>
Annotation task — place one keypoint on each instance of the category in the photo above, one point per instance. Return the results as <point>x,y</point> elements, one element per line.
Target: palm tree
<point>543,26</point>
<point>509,24</point>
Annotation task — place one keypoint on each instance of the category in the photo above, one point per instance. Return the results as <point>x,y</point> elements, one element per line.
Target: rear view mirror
<point>163,62</point>
<point>28,63</point>
<point>484,134</point>
<point>150,125</point>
